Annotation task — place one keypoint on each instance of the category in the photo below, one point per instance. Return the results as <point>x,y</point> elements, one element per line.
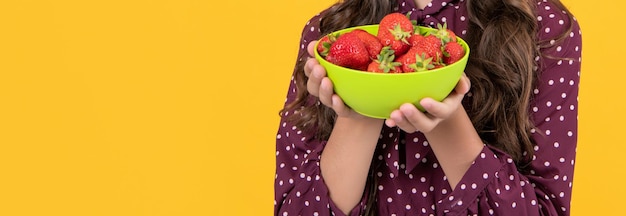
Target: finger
<point>438,109</point>
<point>308,66</point>
<point>315,79</point>
<point>317,70</point>
<point>326,92</point>
<point>464,85</point>
<point>400,120</point>
<point>338,105</point>
<point>311,61</point>
<point>313,87</point>
<point>419,120</point>
<point>442,110</point>
<point>311,65</point>
<point>446,107</point>
<point>311,48</point>
<point>390,122</point>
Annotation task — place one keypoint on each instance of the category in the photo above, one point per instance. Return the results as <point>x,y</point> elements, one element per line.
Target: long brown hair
<point>347,13</point>
<point>502,35</point>
<point>503,38</point>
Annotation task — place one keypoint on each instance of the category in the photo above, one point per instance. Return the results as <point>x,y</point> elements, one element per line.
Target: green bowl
<point>378,94</point>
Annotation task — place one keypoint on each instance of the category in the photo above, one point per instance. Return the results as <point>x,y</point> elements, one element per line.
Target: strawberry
<point>349,51</point>
<point>385,62</point>
<point>446,35</point>
<point>415,39</point>
<point>453,52</point>
<point>422,63</point>
<point>372,43</point>
<point>324,44</point>
<point>432,45</point>
<point>394,30</point>
<point>410,60</point>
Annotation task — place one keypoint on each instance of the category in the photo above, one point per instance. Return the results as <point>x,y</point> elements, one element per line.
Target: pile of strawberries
<point>398,47</point>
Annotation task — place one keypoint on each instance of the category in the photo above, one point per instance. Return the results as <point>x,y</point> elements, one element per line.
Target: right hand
<point>319,85</point>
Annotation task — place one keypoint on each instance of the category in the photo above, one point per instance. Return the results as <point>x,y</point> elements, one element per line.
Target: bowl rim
<point>460,40</point>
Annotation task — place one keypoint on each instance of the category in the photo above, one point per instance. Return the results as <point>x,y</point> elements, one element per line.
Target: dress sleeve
<point>555,113</point>
<point>493,185</point>
<point>299,187</point>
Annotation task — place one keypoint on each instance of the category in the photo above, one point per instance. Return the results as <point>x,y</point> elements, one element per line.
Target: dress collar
<point>402,152</point>
<point>431,9</point>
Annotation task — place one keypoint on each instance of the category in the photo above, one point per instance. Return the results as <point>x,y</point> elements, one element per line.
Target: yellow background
<point>169,107</point>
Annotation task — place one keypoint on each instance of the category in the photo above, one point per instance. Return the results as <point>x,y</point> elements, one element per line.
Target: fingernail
<point>390,123</point>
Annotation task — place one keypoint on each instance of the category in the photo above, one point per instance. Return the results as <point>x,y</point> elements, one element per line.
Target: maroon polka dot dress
<point>410,180</point>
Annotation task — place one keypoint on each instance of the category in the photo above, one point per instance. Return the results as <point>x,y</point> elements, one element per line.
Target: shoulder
<point>554,21</point>
<point>559,60</point>
<point>311,29</point>
<point>559,38</point>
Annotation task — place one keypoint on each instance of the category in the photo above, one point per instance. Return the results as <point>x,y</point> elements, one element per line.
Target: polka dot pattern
<point>410,178</point>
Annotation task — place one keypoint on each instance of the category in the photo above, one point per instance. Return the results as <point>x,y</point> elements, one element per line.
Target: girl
<point>505,146</point>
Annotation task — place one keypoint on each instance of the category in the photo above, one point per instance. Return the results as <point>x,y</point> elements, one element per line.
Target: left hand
<point>410,119</point>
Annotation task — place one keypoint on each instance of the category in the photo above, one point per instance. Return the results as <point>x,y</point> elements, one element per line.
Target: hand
<point>320,86</point>
<point>410,119</point>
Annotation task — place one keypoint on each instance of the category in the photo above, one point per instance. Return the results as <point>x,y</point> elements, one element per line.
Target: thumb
<point>464,85</point>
